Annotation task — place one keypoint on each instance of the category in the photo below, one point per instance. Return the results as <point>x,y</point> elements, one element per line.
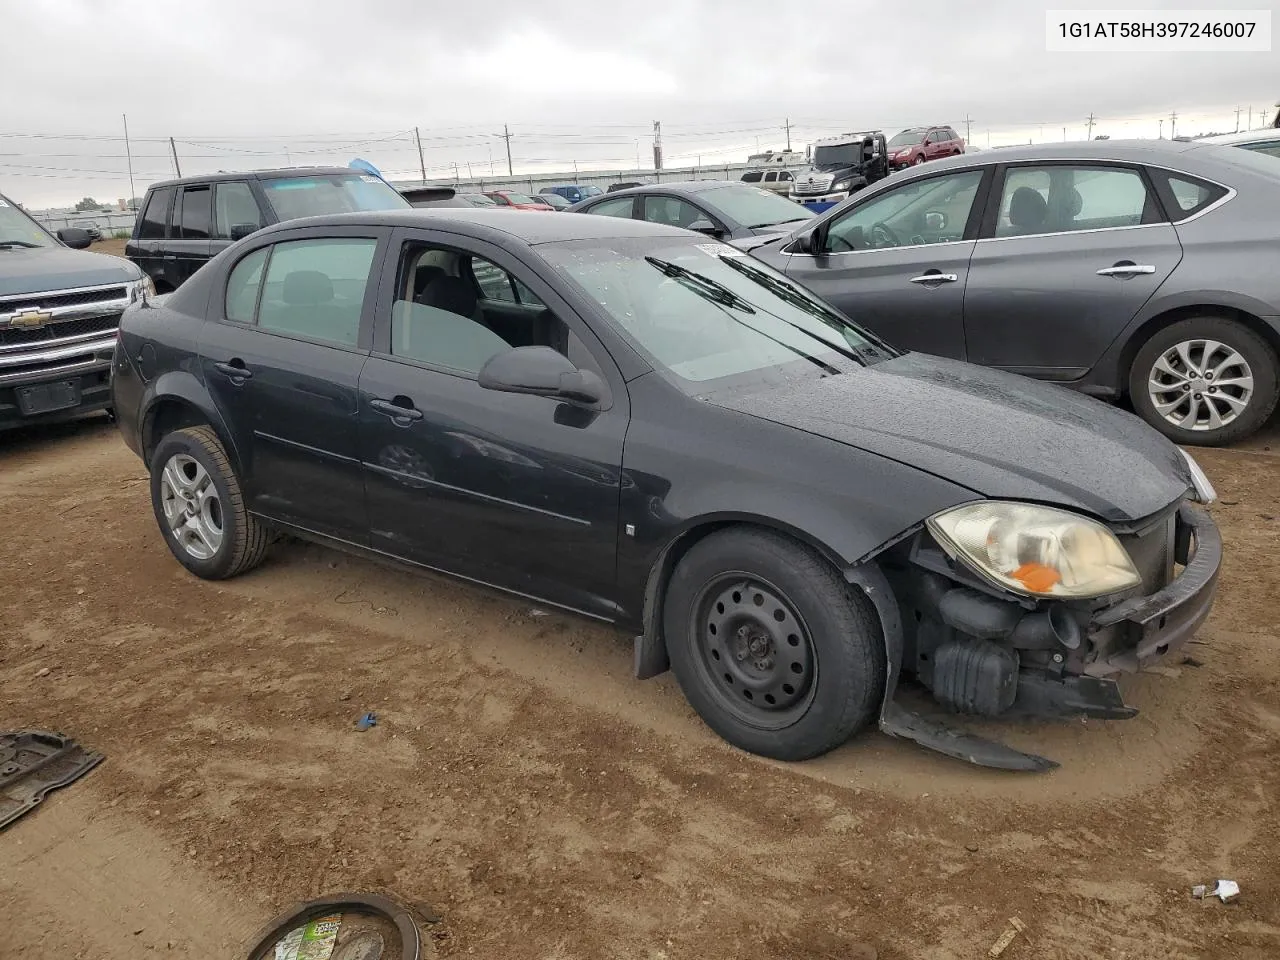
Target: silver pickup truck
<point>59,309</point>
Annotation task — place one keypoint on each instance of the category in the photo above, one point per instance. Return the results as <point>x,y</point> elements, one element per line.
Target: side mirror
<point>542,372</point>
<point>704,226</point>
<point>811,241</point>
<point>74,237</point>
<point>241,230</point>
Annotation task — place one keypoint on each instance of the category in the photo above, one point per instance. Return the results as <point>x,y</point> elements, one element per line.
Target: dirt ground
<point>549,806</point>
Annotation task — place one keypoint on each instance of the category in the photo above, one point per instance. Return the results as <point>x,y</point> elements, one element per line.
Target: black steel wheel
<point>771,647</point>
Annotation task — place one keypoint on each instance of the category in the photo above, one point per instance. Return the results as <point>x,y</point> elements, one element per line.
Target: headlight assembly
<point>1036,551</point>
<point>841,184</point>
<point>141,289</point>
<point>1204,489</point>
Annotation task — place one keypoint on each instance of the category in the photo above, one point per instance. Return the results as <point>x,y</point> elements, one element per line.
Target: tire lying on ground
<point>1204,381</point>
<point>200,507</point>
<point>775,652</point>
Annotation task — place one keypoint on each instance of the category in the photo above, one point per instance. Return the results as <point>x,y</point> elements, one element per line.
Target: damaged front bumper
<point>997,656</point>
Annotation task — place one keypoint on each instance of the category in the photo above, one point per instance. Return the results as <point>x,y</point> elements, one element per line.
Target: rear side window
<point>243,286</point>
<point>315,288</point>
<point>156,214</point>
<point>752,177</point>
<point>1061,198</point>
<point>1186,196</point>
<point>619,207</point>
<point>194,214</point>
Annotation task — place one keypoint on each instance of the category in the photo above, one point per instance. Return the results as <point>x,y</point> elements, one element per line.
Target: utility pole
<point>967,124</point>
<point>506,135</point>
<point>787,127</point>
<point>1161,129</point>
<point>128,152</point>
<point>1064,134</point>
<point>1173,125</point>
<point>1089,121</point>
<point>470,176</point>
<point>175,157</point>
<point>455,171</point>
<point>1238,112</point>
<point>422,164</point>
<point>657,145</point>
<point>1250,126</point>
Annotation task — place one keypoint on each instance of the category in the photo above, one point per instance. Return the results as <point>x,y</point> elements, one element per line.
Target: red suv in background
<point>918,144</point>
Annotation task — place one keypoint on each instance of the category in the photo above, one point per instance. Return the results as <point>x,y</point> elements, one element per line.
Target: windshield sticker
<point>719,250</point>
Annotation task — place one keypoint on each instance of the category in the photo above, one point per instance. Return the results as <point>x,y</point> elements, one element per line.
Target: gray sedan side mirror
<point>74,237</point>
<point>543,372</point>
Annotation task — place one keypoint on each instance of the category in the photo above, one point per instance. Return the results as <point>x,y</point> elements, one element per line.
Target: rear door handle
<point>236,370</point>
<point>404,410</point>
<point>934,276</point>
<point>1126,270</point>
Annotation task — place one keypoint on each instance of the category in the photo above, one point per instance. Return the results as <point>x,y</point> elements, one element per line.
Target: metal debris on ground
<point>1224,890</point>
<point>33,762</point>
<point>1014,928</point>
<point>366,721</point>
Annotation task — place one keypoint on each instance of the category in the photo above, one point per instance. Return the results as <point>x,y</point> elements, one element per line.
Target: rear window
<point>310,196</point>
<point>753,177</point>
<point>156,214</point>
<point>1186,196</point>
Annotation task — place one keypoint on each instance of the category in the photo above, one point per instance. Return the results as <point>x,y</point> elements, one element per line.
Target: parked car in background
<point>91,228</point>
<point>185,223</point>
<point>555,201</point>
<point>427,197</point>
<point>915,145</point>
<point>778,181</point>
<point>1266,140</point>
<point>1140,269</point>
<point>719,208</point>
<point>840,166</point>
<point>517,201</point>
<point>584,427</point>
<point>625,185</point>
<point>59,309</point>
<point>573,192</point>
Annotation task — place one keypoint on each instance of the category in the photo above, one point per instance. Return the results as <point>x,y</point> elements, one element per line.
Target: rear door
<point>625,207</point>
<point>898,262</point>
<point>187,249</point>
<point>145,247</point>
<point>281,357</point>
<point>1069,253</point>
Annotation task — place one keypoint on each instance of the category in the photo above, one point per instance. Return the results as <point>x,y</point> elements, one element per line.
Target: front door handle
<point>933,276</point>
<point>1126,269</point>
<point>401,408</point>
<point>236,370</point>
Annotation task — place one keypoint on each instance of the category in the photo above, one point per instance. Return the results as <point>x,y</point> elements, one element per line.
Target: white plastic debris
<point>1224,890</point>
<point>1198,891</point>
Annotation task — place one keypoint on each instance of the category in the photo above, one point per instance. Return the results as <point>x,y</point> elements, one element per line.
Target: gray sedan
<point>723,209</point>
<point>1142,269</point>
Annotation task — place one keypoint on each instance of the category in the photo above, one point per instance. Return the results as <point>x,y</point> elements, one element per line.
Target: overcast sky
<point>271,82</point>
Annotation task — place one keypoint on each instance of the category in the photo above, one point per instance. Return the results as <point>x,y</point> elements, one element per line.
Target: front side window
<point>319,194</point>
<point>316,288</point>
<point>234,206</point>
<point>1062,198</point>
<point>705,311</point>
<point>194,213</point>
<point>919,212</point>
<point>618,207</point>
<point>155,216</point>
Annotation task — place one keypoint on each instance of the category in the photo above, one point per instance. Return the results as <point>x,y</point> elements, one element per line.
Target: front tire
<point>918,160</point>
<point>1204,381</point>
<point>774,651</point>
<point>200,508</point>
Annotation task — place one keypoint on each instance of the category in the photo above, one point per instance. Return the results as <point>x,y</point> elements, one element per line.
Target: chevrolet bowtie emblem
<point>30,319</point>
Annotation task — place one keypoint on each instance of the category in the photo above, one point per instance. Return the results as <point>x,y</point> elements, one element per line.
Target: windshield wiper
<point>18,243</point>
<point>777,223</point>
<point>704,286</point>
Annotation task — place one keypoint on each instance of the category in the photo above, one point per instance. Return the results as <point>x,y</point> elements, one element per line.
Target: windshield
<point>844,155</point>
<point>753,207</point>
<point>705,311</point>
<point>294,197</point>
<point>19,230</point>
<point>907,138</point>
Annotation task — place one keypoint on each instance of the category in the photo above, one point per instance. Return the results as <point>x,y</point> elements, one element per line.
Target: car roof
<point>676,186</point>
<point>1125,151</point>
<point>528,226</point>
<point>260,175</point>
<point>1244,136</point>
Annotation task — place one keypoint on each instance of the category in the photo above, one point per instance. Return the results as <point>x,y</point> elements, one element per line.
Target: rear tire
<point>1204,381</point>
<point>200,508</point>
<point>752,616</point>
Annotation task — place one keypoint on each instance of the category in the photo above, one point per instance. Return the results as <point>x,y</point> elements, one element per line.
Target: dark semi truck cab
<point>59,309</point>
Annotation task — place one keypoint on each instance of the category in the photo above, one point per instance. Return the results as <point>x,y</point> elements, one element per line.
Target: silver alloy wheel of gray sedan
<point>1200,384</point>
<point>192,506</point>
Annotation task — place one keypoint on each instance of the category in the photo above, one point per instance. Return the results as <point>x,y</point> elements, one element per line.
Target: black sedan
<point>724,209</point>
<point>647,427</point>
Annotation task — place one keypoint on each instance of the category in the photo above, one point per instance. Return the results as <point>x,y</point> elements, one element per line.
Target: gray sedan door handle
<point>935,278</point>
<point>1126,270</point>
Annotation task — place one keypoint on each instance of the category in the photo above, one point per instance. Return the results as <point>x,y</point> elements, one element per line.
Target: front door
<point>283,366</point>
<point>1069,255</point>
<point>897,263</point>
<point>512,490</point>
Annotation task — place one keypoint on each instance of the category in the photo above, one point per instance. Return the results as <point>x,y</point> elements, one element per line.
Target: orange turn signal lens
<point>1036,577</point>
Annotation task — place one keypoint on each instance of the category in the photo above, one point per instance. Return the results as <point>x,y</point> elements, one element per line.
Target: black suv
<point>184,223</point>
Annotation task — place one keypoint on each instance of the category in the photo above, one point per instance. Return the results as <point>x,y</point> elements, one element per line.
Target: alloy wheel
<point>1200,385</point>
<point>192,506</point>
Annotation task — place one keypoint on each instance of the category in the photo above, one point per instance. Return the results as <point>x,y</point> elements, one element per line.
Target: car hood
<point>1001,435</point>
<point>26,270</point>
<point>759,237</point>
